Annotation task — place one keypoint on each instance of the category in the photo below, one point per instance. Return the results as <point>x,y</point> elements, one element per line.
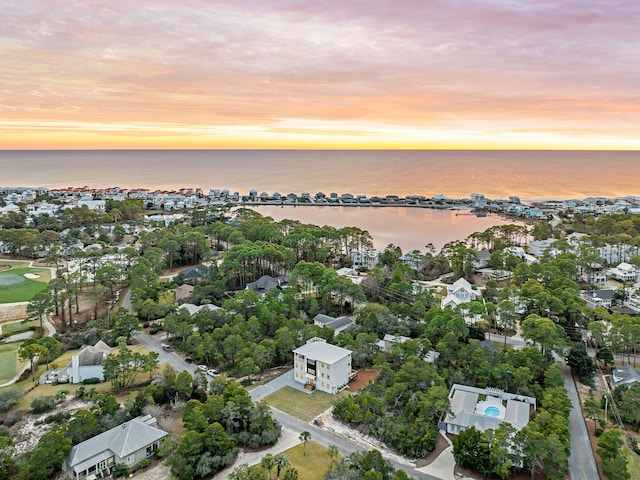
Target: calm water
<point>497,174</point>
<point>408,228</point>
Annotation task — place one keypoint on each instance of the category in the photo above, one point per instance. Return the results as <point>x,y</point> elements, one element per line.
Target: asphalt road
<point>582,463</point>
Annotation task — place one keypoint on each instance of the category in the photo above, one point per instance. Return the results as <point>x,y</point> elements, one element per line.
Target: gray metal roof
<point>121,441</point>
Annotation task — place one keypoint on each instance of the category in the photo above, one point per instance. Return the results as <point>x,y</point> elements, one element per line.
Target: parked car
<point>213,372</point>
<point>165,347</point>
<point>204,368</point>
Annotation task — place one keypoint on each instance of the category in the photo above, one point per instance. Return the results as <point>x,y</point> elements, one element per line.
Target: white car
<point>213,372</point>
<point>204,368</point>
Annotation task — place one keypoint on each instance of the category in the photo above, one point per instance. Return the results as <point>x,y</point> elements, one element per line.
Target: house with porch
<point>129,443</point>
<point>460,292</point>
<point>320,365</point>
<point>598,298</point>
<point>624,272</point>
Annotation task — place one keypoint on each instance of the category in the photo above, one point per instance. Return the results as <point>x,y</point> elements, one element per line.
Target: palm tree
<point>282,462</point>
<point>304,438</point>
<point>332,453</point>
<point>268,462</point>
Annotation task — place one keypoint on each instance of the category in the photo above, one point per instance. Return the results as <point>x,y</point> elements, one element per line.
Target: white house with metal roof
<point>486,408</point>
<point>129,443</point>
<point>318,364</point>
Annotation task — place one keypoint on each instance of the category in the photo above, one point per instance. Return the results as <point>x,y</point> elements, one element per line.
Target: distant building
<point>364,259</point>
<point>336,324</point>
<point>266,283</point>
<point>320,365</point>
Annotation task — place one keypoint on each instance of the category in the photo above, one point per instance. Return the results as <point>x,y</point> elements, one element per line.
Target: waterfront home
<point>127,444</point>
<point>320,365</point>
<point>364,259</point>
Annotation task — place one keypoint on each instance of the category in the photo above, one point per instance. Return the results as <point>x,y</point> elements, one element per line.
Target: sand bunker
<point>31,276</point>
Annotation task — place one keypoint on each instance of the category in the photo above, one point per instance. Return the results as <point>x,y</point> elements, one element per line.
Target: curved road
<point>582,465</point>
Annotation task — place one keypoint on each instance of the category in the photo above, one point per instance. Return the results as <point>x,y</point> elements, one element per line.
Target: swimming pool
<point>491,412</point>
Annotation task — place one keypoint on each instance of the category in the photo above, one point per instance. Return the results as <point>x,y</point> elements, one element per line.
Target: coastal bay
<point>408,228</point>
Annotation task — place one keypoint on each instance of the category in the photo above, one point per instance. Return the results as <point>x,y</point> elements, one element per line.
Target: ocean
<point>455,173</point>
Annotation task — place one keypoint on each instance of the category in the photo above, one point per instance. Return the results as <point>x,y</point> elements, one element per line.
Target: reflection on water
<point>408,228</point>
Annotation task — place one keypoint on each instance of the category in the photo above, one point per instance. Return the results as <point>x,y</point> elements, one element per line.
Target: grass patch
<point>13,328</point>
<point>27,290</point>
<point>8,360</point>
<point>13,263</point>
<point>302,405</point>
<point>314,464</point>
<point>633,465</point>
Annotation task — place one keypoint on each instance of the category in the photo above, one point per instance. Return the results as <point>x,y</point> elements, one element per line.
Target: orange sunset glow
<point>408,74</point>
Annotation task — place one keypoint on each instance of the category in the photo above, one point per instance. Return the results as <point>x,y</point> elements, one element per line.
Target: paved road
<point>582,464</point>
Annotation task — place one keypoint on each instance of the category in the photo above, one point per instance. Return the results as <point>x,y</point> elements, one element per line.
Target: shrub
<point>91,381</point>
<point>11,418</point>
<point>43,404</point>
<point>598,431</point>
<point>9,397</point>
<point>120,470</point>
<point>144,463</point>
<point>59,417</point>
<point>154,329</point>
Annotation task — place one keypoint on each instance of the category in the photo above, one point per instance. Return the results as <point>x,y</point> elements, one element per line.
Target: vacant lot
<point>305,406</point>
<point>312,465</point>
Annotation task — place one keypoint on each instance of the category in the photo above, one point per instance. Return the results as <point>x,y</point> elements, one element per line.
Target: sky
<point>460,74</point>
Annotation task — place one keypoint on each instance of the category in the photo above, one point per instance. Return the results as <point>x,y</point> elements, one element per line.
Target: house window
<point>328,376</point>
<point>328,367</point>
<point>322,374</point>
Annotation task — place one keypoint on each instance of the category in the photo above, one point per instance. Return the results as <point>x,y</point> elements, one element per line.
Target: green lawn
<point>633,465</point>
<point>314,464</point>
<point>17,327</point>
<point>302,405</point>
<point>8,360</point>
<point>27,290</point>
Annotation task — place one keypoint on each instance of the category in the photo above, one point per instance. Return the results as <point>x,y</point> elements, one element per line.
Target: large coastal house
<point>129,444</point>
<point>320,365</point>
<point>460,292</point>
<point>485,408</point>
<point>624,272</point>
